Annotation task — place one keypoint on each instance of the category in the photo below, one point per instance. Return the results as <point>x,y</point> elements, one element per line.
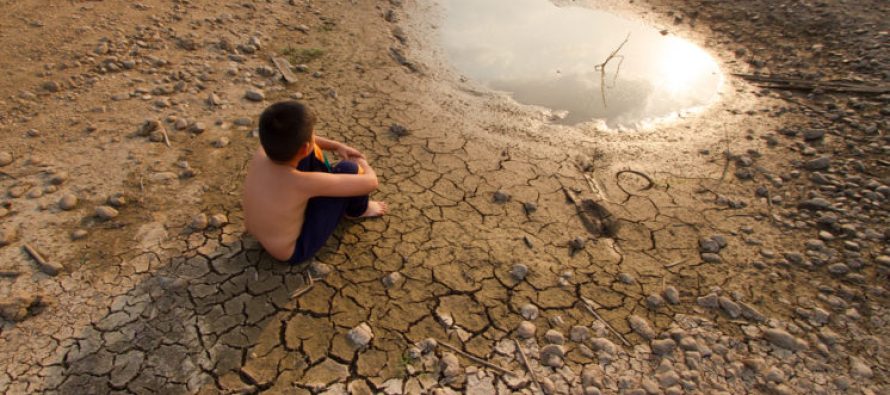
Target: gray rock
<point>554,336</point>
<point>579,334</point>
<point>671,294</point>
<point>708,244</point>
<point>117,200</point>
<point>18,306</point>
<point>626,278</point>
<point>838,269</point>
<point>68,202</point>
<point>243,122</point>
<point>401,131</point>
<point>654,301</point>
<point>730,307</point>
<point>552,355</point>
<point>428,345</point>
<point>218,220</point>
<point>751,313</point>
<point>775,375</point>
<point>529,311</point>
<point>814,134</point>
<point>710,301</point>
<point>501,197</point>
<point>319,270</point>
<point>529,207</point>
<point>392,279</point>
<point>667,379</point>
<point>663,346</point>
<point>783,339</point>
<point>8,235</point>
<point>78,234</point>
<point>519,272</point>
<point>449,365</point>
<point>197,128</point>
<point>710,257</point>
<point>106,212</point>
<point>5,158</point>
<point>641,326</point>
<point>59,178</point>
<point>199,222</point>
<point>526,330</point>
<point>360,336</point>
<point>547,386</point>
<point>254,95</point>
<point>604,345</point>
<point>821,163</point>
<point>221,142</point>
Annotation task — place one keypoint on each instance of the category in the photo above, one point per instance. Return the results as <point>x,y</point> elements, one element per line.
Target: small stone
<point>117,200</point>
<point>604,345</point>
<point>254,95</point>
<point>814,204</point>
<point>221,142</point>
<point>667,379</point>
<point>626,278</point>
<point>552,355</point>
<point>730,307</point>
<point>78,234</point>
<point>579,334</point>
<point>68,202</point>
<point>783,339</point>
<point>392,279</point>
<point>817,164</point>
<point>35,193</point>
<point>526,330</point>
<point>319,270</point>
<point>838,269</point>
<point>59,178</point>
<point>197,128</point>
<point>17,307</point>
<point>709,257</point>
<point>243,122</point>
<point>501,197</point>
<point>641,326</point>
<point>708,245</point>
<point>8,235</point>
<point>654,301</point>
<point>449,365</point>
<point>663,346</point>
<point>553,336</point>
<point>398,130</point>
<point>360,336</point>
<point>710,301</point>
<point>428,345</point>
<point>577,244</point>
<point>218,220</point>
<point>106,212</point>
<point>775,375</point>
<point>199,222</point>
<point>529,311</point>
<point>858,368</point>
<point>213,100</point>
<point>519,272</point>
<point>671,294</point>
<point>529,207</point>
<point>5,158</point>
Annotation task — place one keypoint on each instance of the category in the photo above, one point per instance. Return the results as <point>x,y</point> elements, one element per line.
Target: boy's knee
<point>346,167</point>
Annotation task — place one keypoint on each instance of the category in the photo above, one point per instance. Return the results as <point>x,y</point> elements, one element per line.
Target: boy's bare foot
<point>375,209</point>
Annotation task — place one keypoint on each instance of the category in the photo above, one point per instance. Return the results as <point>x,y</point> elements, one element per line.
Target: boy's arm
<point>343,150</point>
<point>341,185</point>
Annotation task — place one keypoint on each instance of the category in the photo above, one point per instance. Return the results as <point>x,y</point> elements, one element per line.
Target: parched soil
<point>741,250</point>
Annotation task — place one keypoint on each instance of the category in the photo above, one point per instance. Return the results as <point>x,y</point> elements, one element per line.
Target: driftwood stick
<point>475,358</point>
<point>527,366</point>
<point>34,254</point>
<point>602,68</point>
<point>305,289</point>
<point>166,137</point>
<point>588,304</point>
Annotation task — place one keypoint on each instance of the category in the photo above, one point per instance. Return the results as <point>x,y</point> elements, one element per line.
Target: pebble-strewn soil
<point>740,250</point>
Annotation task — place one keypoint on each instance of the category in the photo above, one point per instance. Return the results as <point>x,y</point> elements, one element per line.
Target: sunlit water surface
<point>547,55</point>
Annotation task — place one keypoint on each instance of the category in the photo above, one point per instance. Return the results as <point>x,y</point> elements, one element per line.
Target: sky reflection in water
<point>546,55</point>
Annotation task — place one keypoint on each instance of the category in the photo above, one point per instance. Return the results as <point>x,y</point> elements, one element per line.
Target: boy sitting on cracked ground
<point>293,198</point>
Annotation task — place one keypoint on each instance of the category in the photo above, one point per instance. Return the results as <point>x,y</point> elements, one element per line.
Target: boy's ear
<point>305,149</point>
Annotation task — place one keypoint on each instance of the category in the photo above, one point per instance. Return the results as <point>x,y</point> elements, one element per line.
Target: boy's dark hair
<point>284,128</point>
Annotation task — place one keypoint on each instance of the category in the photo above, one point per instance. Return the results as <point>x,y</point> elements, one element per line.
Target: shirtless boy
<point>293,198</point>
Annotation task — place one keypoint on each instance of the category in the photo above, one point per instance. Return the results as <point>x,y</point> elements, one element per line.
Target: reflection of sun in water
<point>681,65</point>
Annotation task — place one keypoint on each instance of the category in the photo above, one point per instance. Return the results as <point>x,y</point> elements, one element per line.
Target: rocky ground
<point>743,250</point>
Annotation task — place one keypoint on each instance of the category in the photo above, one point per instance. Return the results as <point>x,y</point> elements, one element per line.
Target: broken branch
<point>527,366</point>
<point>589,305</point>
<point>475,358</point>
<point>602,68</point>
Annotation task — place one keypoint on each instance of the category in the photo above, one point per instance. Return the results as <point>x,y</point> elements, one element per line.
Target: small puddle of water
<point>547,55</point>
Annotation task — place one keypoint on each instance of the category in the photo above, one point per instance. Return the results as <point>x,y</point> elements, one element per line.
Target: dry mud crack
<point>747,257</point>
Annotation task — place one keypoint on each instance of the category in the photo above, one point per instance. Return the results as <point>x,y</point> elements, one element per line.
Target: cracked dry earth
<point>740,251</point>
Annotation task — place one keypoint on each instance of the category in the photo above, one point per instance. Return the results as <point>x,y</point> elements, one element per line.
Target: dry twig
<point>305,289</point>
<point>475,358</point>
<point>527,366</point>
<point>602,68</point>
<point>589,305</point>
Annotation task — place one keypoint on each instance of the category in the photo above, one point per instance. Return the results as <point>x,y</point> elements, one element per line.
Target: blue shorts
<point>324,213</point>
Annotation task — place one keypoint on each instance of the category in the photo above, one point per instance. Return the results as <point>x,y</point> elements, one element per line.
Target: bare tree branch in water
<point>602,68</point>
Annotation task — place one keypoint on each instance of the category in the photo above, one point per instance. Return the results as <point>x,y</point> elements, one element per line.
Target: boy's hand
<point>346,152</point>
